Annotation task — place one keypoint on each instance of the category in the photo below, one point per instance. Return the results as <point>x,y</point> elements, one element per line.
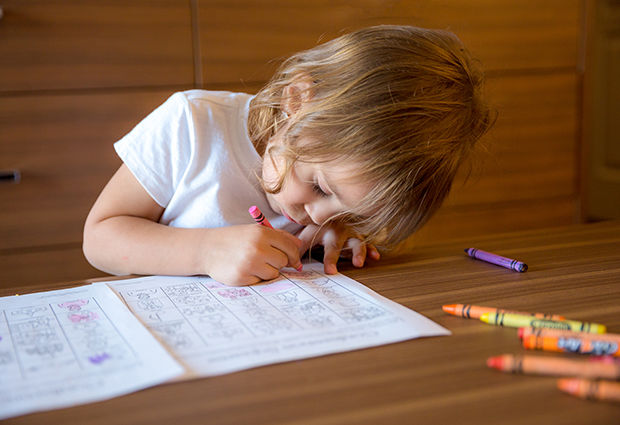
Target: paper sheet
<point>214,329</point>
<point>67,347</point>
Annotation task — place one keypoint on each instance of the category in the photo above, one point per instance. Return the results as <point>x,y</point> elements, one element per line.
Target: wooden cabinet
<point>62,146</point>
<point>63,44</point>
<point>525,173</point>
<point>76,76</point>
<point>601,107</point>
<point>241,40</point>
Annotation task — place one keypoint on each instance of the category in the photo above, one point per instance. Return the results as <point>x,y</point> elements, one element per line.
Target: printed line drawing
<point>71,346</point>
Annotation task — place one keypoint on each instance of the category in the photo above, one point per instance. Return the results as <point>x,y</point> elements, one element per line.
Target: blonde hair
<point>404,103</point>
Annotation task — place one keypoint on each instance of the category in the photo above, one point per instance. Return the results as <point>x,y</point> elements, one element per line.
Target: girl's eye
<point>317,189</point>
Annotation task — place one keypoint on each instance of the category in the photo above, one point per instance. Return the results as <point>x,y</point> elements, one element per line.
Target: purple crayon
<point>509,263</point>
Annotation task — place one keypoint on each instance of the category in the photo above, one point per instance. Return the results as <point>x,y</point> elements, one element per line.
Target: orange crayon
<point>475,311</point>
<point>555,366</point>
<point>579,342</point>
<point>595,390</point>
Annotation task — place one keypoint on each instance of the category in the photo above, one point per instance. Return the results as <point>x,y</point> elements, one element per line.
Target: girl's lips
<point>288,217</point>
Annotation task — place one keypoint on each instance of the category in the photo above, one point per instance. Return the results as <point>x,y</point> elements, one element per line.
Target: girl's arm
<point>122,235</point>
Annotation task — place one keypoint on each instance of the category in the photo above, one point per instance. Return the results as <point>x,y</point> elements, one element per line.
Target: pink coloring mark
<point>85,316</point>
<point>214,284</point>
<point>234,293</point>
<point>275,287</point>
<point>73,305</point>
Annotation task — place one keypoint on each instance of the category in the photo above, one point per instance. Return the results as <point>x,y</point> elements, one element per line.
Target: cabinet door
<point>242,40</point>
<point>602,112</point>
<point>62,147</point>
<point>63,44</point>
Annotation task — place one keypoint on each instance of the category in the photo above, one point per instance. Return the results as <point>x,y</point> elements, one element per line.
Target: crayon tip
<point>300,267</point>
<point>252,210</point>
<point>496,362</point>
<point>484,317</point>
<point>449,308</point>
<point>521,332</point>
<point>568,385</point>
<point>604,359</point>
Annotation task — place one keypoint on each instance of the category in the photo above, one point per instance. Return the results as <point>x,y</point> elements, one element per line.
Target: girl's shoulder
<point>213,98</point>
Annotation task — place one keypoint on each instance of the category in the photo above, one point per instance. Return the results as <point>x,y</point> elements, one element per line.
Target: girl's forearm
<point>135,245</point>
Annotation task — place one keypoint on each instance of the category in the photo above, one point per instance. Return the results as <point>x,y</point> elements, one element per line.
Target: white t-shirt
<point>194,158</point>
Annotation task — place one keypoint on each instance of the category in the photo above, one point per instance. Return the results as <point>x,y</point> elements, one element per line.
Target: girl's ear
<point>296,94</point>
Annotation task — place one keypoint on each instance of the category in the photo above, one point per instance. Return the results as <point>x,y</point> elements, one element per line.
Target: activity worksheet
<point>214,329</point>
<point>72,346</point>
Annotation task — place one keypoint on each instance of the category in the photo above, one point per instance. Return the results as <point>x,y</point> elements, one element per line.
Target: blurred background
<point>75,76</point>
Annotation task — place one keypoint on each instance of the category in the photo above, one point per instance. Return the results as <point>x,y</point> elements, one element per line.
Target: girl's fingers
<point>307,236</point>
<point>278,259</point>
<point>373,252</point>
<point>332,244</point>
<point>358,251</point>
<point>290,247</point>
<point>266,272</point>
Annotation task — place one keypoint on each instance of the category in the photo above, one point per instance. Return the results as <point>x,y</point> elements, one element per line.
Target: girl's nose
<point>319,211</point>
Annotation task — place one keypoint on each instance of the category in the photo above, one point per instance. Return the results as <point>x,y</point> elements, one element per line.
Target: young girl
<point>352,144</point>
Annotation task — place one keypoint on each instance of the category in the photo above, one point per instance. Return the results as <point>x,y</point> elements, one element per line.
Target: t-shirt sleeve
<point>157,151</point>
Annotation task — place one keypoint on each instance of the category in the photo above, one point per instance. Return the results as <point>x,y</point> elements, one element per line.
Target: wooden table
<point>573,271</point>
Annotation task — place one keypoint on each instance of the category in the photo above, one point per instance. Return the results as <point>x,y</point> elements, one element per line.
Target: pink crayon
<point>259,217</point>
<point>509,263</point>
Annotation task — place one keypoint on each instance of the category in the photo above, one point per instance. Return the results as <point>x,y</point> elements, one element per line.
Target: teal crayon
<point>498,260</point>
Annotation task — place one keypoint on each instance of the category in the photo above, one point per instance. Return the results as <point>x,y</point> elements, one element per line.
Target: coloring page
<point>72,346</point>
<point>214,329</point>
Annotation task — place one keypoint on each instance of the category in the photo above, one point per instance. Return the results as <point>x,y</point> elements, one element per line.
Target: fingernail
<point>359,261</point>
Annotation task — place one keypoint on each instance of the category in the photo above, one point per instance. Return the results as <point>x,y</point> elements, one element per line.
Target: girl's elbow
<point>93,249</point>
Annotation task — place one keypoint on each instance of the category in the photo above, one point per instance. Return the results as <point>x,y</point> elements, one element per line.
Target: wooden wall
<point>76,76</point>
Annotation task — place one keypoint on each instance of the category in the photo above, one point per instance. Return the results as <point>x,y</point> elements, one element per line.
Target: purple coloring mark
<point>99,358</point>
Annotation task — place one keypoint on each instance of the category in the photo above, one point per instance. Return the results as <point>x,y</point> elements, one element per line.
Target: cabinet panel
<point>241,39</point>
<point>33,270</point>
<point>52,44</point>
<point>531,152</point>
<point>601,111</point>
<point>62,145</point>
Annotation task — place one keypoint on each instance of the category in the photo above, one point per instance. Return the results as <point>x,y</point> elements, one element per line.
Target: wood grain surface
<point>573,271</point>
<point>60,45</point>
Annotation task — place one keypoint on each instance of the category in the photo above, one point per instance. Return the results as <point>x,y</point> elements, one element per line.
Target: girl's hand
<point>247,254</point>
<point>338,240</point>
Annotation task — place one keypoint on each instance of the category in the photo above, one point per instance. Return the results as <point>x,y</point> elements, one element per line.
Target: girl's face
<point>313,192</point>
